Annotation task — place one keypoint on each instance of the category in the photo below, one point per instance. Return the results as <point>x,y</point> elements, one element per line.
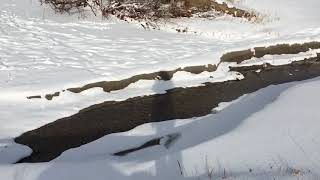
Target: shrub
<point>151,10</point>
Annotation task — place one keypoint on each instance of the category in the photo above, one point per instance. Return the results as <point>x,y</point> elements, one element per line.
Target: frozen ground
<point>42,52</point>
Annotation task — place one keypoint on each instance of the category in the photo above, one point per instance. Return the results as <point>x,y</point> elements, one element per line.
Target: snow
<point>42,52</point>
<point>268,128</point>
<point>263,128</point>
<point>11,151</point>
<point>92,49</point>
<point>81,51</point>
<point>38,112</point>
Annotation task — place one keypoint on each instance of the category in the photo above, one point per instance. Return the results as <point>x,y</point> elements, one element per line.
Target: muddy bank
<point>91,123</point>
<point>258,52</point>
<point>109,86</point>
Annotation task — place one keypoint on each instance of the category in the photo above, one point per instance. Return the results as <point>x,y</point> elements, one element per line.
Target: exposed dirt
<point>258,52</point>
<point>51,96</point>
<point>109,86</point>
<point>233,11</point>
<point>47,96</point>
<point>285,49</point>
<point>161,75</point>
<point>237,56</point>
<point>34,97</point>
<point>91,123</point>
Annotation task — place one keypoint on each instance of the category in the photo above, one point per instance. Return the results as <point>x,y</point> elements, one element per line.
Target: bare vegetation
<point>151,10</point>
<point>69,6</point>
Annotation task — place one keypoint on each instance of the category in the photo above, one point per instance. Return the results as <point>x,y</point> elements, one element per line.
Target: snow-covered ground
<point>274,133</point>
<point>42,52</point>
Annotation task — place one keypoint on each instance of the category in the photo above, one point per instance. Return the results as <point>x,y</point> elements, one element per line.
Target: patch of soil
<point>51,96</point>
<point>34,97</point>
<point>109,86</point>
<point>94,122</point>
<point>285,49</point>
<point>258,52</point>
<point>233,11</point>
<point>237,56</point>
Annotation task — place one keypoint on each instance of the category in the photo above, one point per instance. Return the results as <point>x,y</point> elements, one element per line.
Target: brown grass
<point>201,4</point>
<point>151,10</point>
